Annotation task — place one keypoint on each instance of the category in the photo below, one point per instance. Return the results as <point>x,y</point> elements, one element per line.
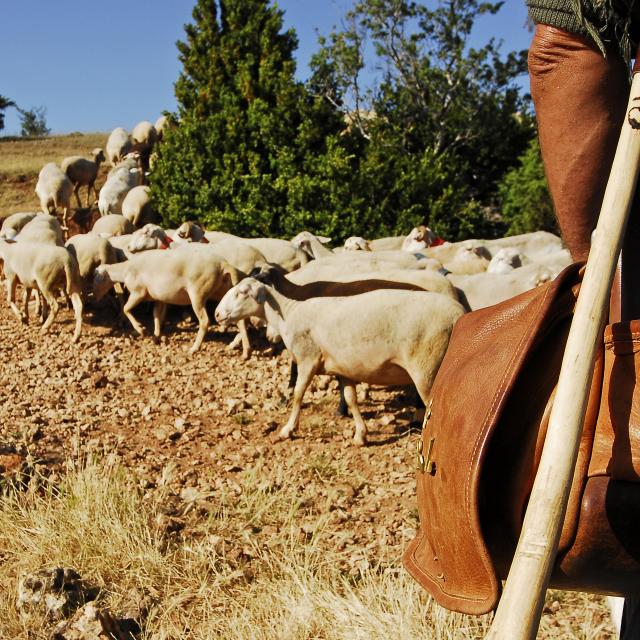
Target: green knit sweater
<point>610,24</point>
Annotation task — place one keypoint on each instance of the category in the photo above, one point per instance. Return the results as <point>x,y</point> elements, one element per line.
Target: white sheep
<point>327,275</point>
<point>131,161</point>
<point>505,260</point>
<point>469,260</point>
<point>115,189</point>
<point>191,231</point>
<point>485,289</point>
<point>137,208</point>
<point>83,173</point>
<point>161,125</point>
<point>530,245</point>
<point>43,229</point>
<point>419,238</point>
<point>376,260</point>
<point>357,243</point>
<point>90,251</point>
<point>171,277</point>
<point>144,136</point>
<point>112,224</point>
<point>118,145</point>
<point>46,269</point>
<point>384,337</point>
<point>389,243</point>
<point>54,191</point>
<point>13,224</point>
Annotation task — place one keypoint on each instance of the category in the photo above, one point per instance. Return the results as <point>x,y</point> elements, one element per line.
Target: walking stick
<point>520,608</point>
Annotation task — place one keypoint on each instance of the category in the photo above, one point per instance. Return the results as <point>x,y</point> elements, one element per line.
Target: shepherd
<point>581,435</point>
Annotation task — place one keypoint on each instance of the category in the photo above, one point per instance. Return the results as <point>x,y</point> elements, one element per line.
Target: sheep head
<point>357,243</point>
<point>102,282</point>
<point>242,301</point>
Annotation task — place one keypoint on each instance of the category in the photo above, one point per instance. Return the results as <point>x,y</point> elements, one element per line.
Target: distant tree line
<point>33,121</point>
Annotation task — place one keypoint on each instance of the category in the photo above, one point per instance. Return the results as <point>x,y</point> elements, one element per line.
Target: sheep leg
<point>235,343</point>
<point>293,374</point>
<point>351,398</point>
<point>44,307</point>
<point>76,301</point>
<point>53,312</point>
<point>95,193</point>
<point>159,310</point>
<point>134,300</point>
<point>66,298</point>
<point>12,284</point>
<point>39,311</point>
<point>306,371</point>
<point>343,409</point>
<point>203,322</point>
<point>26,299</point>
<point>77,192</point>
<point>241,338</point>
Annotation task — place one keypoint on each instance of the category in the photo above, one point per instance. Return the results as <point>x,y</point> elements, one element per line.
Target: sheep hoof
<point>359,442</point>
<point>246,355</point>
<point>283,435</point>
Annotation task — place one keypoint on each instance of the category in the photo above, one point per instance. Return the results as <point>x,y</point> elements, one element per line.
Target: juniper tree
<point>246,126</point>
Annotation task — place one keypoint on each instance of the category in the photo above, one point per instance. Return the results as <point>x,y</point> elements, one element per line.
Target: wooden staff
<point>520,608</point>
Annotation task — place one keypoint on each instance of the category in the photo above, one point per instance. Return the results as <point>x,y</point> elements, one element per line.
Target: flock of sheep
<point>379,312</point>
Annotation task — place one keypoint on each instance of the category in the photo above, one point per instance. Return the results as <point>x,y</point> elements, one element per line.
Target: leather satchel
<point>481,443</point>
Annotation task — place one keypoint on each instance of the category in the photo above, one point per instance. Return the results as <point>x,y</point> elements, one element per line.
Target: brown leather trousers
<point>580,98</point>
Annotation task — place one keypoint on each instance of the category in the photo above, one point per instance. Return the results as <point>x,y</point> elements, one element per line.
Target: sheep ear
<point>258,294</point>
<point>323,239</point>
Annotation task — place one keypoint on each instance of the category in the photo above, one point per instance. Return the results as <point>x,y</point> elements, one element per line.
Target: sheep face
<point>143,242</point>
<point>417,239</point>
<point>151,236</point>
<point>190,232</point>
<point>304,238</point>
<point>244,300</point>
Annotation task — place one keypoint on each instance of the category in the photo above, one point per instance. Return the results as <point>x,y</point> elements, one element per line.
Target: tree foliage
<point>449,118</point>
<point>246,126</point>
<point>429,140</point>
<point>524,194</point>
<point>5,103</point>
<point>33,122</point>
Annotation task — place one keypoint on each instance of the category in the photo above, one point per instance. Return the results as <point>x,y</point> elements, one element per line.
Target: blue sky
<point>99,65</point>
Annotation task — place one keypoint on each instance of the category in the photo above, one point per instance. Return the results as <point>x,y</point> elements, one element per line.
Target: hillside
<point>21,159</point>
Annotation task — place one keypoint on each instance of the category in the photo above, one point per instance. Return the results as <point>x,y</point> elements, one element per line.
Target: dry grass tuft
<point>241,568</point>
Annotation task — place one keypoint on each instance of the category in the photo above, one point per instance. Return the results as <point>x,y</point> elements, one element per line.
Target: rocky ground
<point>193,428</point>
<point>193,423</point>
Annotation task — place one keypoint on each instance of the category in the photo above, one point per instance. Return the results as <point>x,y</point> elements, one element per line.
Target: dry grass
<point>241,569</point>
<point>21,160</point>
